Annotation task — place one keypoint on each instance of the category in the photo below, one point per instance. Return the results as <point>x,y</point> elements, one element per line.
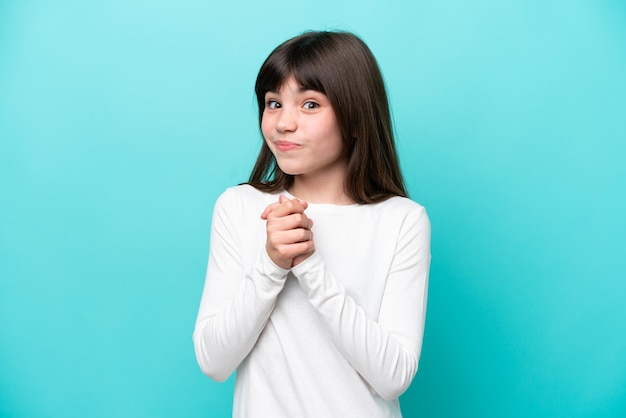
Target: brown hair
<point>341,66</point>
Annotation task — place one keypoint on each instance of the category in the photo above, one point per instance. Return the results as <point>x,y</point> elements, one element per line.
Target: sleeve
<point>236,301</point>
<point>385,351</point>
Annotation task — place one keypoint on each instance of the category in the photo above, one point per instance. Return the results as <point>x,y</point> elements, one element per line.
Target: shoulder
<point>243,199</point>
<point>401,206</point>
<point>392,211</point>
<point>409,216</point>
<point>243,193</point>
<point>413,229</point>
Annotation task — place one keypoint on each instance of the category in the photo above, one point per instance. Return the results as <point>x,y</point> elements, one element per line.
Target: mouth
<point>284,146</point>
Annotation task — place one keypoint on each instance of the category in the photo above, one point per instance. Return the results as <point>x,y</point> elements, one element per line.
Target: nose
<point>286,121</point>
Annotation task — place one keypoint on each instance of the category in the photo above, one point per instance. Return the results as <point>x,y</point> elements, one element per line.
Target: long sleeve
<point>237,300</point>
<point>384,350</point>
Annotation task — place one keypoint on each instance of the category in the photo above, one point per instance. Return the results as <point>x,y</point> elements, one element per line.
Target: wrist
<point>273,261</point>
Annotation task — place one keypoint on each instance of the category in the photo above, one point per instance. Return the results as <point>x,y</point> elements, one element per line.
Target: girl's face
<point>302,132</point>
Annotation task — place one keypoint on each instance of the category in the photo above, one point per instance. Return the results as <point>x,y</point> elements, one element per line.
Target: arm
<point>236,301</point>
<point>385,351</point>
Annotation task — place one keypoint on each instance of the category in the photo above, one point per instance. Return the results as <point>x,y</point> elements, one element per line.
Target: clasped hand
<point>289,234</point>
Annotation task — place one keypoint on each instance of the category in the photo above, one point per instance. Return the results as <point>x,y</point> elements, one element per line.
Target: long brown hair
<point>341,66</point>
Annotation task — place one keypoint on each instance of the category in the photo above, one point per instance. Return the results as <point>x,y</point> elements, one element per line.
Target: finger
<point>289,251</point>
<point>284,223</point>
<point>293,236</point>
<point>289,236</point>
<point>268,209</point>
<point>300,258</point>
<point>287,207</point>
<point>305,248</point>
<point>282,199</point>
<point>302,202</point>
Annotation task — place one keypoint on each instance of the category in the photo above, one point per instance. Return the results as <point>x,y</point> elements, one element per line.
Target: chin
<point>285,168</point>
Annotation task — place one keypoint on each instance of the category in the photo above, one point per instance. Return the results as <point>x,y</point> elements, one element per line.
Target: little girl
<point>317,278</point>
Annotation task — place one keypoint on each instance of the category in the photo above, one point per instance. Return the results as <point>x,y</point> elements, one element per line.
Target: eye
<point>272,104</point>
<point>311,105</point>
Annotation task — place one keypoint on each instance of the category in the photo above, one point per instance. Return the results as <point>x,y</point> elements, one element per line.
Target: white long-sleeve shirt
<point>340,334</point>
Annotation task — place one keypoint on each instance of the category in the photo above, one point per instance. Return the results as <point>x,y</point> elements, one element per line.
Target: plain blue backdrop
<point>122,121</point>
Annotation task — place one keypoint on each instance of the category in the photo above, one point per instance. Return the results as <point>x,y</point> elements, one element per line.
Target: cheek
<point>333,133</point>
<point>265,129</point>
<point>332,127</point>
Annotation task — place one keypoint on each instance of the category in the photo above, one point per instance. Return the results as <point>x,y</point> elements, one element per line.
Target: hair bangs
<point>306,67</point>
<point>298,61</point>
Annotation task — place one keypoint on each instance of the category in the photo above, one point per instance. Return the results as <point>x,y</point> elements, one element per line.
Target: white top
<point>340,334</point>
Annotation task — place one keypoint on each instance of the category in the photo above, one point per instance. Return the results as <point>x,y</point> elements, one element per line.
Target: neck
<point>328,188</point>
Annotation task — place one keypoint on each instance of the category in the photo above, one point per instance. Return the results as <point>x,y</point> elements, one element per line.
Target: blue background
<point>122,121</point>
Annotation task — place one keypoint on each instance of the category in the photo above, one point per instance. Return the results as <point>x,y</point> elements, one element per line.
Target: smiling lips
<point>286,145</point>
